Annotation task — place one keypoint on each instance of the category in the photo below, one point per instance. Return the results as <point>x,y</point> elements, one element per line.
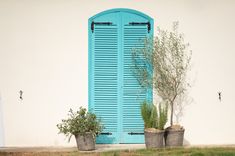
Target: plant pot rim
<point>153,130</point>
<point>81,134</point>
<point>175,130</point>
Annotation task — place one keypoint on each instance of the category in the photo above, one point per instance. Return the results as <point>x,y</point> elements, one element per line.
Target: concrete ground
<point>99,148</point>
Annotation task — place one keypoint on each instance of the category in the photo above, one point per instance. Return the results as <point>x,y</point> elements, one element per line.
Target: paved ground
<point>99,148</point>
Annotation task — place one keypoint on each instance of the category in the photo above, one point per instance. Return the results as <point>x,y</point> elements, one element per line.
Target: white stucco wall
<point>44,52</point>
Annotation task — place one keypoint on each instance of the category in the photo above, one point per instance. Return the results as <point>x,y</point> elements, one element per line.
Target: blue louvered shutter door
<point>114,93</point>
<point>104,79</point>
<point>135,30</point>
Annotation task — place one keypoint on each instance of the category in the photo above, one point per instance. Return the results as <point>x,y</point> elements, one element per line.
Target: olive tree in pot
<point>84,126</point>
<point>169,58</point>
<point>154,122</point>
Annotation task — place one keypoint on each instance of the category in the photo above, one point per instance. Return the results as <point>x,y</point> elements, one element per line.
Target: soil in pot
<point>154,138</point>
<point>86,142</point>
<point>174,136</point>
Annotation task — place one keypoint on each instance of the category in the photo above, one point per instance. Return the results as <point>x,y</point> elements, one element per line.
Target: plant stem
<point>172,109</point>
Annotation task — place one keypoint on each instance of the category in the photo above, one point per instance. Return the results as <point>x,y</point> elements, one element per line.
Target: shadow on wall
<point>1,124</point>
<point>186,143</point>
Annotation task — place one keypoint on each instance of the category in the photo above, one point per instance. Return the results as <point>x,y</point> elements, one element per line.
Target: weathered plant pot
<point>154,138</point>
<point>174,137</point>
<point>86,142</point>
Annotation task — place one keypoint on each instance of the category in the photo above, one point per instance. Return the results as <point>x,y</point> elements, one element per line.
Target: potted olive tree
<point>84,126</point>
<point>168,57</point>
<point>154,122</point>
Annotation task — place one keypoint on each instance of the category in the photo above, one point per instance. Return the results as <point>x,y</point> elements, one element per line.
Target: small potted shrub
<point>154,122</point>
<point>84,126</point>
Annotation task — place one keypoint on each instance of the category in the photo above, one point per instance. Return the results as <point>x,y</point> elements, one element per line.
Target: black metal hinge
<point>99,23</point>
<point>134,133</point>
<point>142,23</point>
<point>106,133</point>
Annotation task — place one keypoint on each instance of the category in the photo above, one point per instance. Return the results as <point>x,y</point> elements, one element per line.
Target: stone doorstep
<point>111,147</point>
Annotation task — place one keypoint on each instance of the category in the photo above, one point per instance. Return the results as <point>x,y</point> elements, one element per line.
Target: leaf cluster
<point>80,122</point>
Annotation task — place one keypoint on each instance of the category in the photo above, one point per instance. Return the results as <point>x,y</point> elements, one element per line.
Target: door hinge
<point>142,23</point>
<point>134,133</point>
<point>106,133</point>
<point>99,23</point>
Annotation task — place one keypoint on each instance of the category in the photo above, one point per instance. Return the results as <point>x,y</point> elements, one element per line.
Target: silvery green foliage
<point>166,56</point>
<point>80,122</point>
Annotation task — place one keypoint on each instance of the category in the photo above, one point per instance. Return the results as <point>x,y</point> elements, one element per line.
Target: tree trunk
<point>172,109</point>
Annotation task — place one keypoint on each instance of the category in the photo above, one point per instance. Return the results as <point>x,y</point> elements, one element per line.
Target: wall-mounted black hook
<point>220,96</point>
<point>21,94</point>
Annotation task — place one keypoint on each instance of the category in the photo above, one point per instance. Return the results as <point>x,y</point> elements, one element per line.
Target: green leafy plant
<point>80,122</point>
<point>153,117</point>
<point>148,114</point>
<point>162,117</point>
<point>163,65</point>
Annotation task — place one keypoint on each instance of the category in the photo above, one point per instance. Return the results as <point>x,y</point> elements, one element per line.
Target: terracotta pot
<point>86,142</point>
<point>174,137</point>
<point>154,138</point>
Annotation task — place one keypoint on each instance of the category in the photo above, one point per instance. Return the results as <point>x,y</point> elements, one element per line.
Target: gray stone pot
<point>174,137</point>
<point>154,138</point>
<point>86,142</point>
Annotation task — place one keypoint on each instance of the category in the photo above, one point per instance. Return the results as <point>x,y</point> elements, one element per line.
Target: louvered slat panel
<point>114,93</point>
<point>132,95</point>
<point>106,76</point>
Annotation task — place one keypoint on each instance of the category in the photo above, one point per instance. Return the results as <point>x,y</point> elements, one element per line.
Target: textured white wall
<point>1,125</point>
<point>44,50</point>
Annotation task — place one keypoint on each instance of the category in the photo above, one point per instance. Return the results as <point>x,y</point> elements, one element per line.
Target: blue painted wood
<point>133,37</point>
<point>114,93</point>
